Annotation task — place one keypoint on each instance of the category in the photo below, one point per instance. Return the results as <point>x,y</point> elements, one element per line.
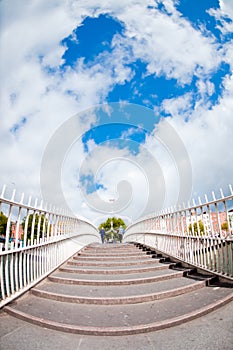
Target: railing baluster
<point>7,275</point>
<point>20,267</point>
<point>47,234</point>
<point>210,247</point>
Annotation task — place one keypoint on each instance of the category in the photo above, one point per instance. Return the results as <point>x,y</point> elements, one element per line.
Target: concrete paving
<point>211,332</point>
<point>126,315</point>
<point>126,276</point>
<point>115,291</point>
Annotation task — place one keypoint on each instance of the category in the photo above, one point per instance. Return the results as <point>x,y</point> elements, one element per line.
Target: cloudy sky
<point>116,106</point>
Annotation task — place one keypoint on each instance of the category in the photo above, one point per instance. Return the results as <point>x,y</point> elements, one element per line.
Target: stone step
<point>115,253</point>
<point>110,247</point>
<point>119,297</point>
<point>112,271</point>
<point>137,278</point>
<point>112,258</point>
<point>109,263</point>
<point>119,319</point>
<point>114,295</point>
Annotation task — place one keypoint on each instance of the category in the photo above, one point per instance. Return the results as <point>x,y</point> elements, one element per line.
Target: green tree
<point>3,223</point>
<point>116,223</point>
<point>38,225</point>
<point>224,226</point>
<point>194,228</point>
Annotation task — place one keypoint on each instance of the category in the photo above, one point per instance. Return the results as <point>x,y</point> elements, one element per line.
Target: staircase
<point>120,289</point>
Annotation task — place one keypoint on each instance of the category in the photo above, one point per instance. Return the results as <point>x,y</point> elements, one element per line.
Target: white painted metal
<point>178,233</point>
<point>53,238</point>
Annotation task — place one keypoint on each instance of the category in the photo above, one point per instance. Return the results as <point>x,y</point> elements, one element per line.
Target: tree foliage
<point>197,228</point>
<point>38,225</point>
<point>117,222</point>
<point>224,226</point>
<point>3,224</point>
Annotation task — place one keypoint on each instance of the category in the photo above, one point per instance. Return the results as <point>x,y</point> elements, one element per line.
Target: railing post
<point>47,236</point>
<point>178,232</point>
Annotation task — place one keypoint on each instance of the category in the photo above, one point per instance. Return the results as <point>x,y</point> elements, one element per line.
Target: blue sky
<point>94,38</point>
<point>150,83</point>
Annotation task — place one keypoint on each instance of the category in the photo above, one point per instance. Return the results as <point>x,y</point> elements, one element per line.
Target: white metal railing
<point>200,234</point>
<point>43,240</point>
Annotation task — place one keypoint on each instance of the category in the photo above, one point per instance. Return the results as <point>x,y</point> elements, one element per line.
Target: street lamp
<point>112,200</point>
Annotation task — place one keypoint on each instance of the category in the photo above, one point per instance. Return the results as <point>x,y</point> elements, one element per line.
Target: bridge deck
<point>213,331</point>
<point>138,294</point>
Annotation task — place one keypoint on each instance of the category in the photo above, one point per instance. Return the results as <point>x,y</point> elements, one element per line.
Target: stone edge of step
<point>135,299</point>
<point>119,331</point>
<point>112,272</point>
<point>102,263</point>
<point>109,254</point>
<point>110,258</point>
<point>159,278</point>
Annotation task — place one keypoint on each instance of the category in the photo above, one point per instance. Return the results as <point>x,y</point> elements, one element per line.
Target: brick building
<point>14,233</point>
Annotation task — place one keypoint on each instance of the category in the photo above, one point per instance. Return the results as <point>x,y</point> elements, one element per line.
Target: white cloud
<point>178,105</point>
<point>208,139</point>
<point>33,93</point>
<point>223,15</point>
<point>108,166</point>
<point>169,44</point>
<point>30,41</point>
<point>227,7</point>
<point>205,87</point>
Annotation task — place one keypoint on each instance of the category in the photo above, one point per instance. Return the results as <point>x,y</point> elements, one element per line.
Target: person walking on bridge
<point>102,233</point>
<point>120,233</point>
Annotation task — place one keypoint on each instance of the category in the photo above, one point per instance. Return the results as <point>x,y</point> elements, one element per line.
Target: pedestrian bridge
<point>171,268</point>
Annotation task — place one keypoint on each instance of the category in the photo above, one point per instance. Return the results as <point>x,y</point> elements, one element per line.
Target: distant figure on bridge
<point>120,233</point>
<point>102,233</point>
